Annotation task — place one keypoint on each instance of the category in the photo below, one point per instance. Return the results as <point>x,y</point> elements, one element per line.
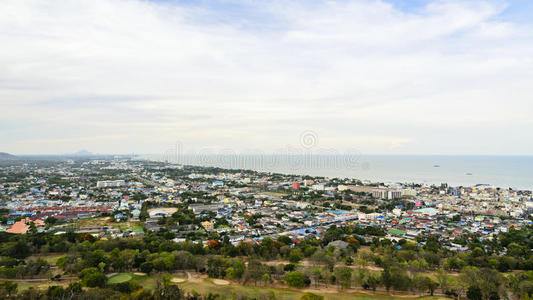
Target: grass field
<point>41,285</point>
<point>49,258</point>
<point>105,221</point>
<point>205,286</point>
<point>120,278</point>
<point>228,291</point>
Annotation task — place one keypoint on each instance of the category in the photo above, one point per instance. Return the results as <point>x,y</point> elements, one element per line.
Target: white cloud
<point>363,74</point>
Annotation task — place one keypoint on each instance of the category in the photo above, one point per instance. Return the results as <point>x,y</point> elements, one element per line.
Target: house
<point>20,227</point>
<point>158,214</point>
<point>208,225</point>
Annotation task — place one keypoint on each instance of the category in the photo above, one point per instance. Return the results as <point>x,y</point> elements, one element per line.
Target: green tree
<point>296,255</point>
<point>8,288</point>
<point>56,292</point>
<point>50,221</point>
<point>474,293</point>
<point>92,277</point>
<point>344,276</point>
<point>311,296</point>
<point>266,279</point>
<point>146,267</point>
<point>297,279</point>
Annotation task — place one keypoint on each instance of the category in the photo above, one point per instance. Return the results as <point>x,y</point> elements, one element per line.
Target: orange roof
<point>38,222</point>
<point>19,227</point>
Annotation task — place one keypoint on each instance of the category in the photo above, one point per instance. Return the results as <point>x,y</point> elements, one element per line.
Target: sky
<point>370,76</point>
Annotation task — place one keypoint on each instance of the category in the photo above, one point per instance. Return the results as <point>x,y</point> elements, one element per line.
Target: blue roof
<point>336,212</point>
<point>22,214</point>
<point>303,230</point>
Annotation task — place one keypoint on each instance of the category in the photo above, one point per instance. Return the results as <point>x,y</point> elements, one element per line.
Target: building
<point>208,225</point>
<point>22,226</point>
<point>296,185</point>
<point>158,214</point>
<point>110,183</point>
<point>376,192</point>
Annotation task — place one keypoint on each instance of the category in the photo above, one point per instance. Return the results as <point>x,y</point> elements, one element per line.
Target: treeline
<point>422,266</point>
<point>20,268</point>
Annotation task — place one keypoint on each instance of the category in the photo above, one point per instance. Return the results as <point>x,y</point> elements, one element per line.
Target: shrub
<point>96,279</point>
<point>297,279</point>
<point>311,296</point>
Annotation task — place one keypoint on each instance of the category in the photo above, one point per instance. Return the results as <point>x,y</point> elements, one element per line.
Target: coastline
<point>464,170</point>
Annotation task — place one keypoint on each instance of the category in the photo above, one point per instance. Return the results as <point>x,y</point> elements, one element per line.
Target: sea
<point>514,172</point>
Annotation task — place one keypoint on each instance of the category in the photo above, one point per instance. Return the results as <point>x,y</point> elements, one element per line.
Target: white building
<point>110,183</point>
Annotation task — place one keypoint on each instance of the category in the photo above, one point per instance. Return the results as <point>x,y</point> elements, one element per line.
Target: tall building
<point>296,185</point>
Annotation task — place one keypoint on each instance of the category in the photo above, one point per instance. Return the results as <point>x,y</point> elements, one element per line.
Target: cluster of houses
<point>248,205</point>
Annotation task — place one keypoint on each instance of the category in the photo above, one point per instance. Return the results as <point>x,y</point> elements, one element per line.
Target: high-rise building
<point>296,185</point>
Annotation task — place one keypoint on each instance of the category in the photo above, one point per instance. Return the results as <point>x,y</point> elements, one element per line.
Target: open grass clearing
<point>120,278</point>
<point>49,258</point>
<point>207,286</point>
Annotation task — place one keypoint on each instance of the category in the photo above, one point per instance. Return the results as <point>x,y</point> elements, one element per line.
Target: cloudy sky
<point>388,76</point>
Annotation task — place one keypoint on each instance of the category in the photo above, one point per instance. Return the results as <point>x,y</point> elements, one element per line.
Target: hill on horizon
<point>83,153</point>
<point>5,155</point>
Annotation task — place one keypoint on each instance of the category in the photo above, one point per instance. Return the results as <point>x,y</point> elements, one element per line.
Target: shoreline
<point>364,171</point>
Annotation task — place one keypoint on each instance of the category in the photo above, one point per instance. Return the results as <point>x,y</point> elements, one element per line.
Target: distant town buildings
<point>246,205</point>
<point>376,192</point>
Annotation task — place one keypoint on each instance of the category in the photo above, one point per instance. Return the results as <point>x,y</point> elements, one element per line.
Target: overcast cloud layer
<point>446,77</point>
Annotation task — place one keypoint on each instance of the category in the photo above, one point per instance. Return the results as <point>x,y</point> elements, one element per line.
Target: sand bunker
<point>178,280</point>
<point>139,274</point>
<point>220,282</point>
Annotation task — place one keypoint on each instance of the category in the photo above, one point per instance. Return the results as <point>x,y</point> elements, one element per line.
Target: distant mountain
<point>4,155</point>
<point>83,153</point>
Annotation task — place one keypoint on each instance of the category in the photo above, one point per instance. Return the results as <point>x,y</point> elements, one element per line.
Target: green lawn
<point>228,291</point>
<point>119,278</point>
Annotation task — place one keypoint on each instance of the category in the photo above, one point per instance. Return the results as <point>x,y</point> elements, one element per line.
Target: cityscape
<point>211,228</point>
<point>266,149</point>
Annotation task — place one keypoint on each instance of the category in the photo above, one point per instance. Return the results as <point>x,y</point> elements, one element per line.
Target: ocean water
<point>501,171</point>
